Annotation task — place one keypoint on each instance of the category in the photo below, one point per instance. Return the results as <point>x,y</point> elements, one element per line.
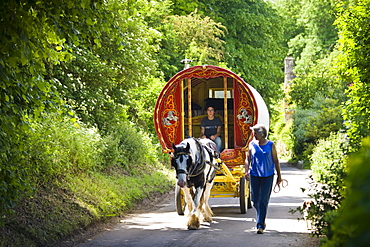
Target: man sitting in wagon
<point>210,127</point>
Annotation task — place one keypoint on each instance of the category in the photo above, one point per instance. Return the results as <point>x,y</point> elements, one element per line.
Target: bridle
<point>197,167</point>
<point>181,171</point>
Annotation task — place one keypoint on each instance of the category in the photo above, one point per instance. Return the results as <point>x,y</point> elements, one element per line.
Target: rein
<point>277,188</point>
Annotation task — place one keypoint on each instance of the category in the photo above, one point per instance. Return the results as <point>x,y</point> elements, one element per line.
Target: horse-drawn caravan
<point>179,110</point>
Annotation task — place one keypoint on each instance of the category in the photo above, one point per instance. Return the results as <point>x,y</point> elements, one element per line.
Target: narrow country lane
<point>163,227</point>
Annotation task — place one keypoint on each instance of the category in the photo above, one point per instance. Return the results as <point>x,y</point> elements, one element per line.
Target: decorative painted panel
<point>245,115</point>
<point>168,116</point>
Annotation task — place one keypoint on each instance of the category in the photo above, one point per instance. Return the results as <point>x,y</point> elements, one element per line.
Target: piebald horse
<point>195,165</point>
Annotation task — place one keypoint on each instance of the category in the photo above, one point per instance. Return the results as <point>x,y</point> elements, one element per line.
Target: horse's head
<point>182,162</point>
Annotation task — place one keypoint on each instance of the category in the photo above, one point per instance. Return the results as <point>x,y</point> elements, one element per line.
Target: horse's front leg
<point>206,209</point>
<point>194,222</point>
<point>188,198</point>
<point>197,197</point>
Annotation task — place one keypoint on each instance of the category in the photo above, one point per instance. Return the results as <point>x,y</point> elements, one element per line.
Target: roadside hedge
<point>328,163</point>
<point>351,226</point>
<point>73,177</point>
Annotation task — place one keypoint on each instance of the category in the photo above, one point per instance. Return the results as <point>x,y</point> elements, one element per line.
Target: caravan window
<point>218,93</point>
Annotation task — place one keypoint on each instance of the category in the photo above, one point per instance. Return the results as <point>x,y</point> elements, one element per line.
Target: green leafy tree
<point>144,99</point>
<point>312,42</point>
<point>192,37</point>
<point>327,182</point>
<point>315,34</point>
<point>290,11</point>
<point>183,7</point>
<point>96,83</point>
<point>318,122</point>
<point>253,43</point>
<point>321,79</point>
<point>32,33</point>
<point>354,43</point>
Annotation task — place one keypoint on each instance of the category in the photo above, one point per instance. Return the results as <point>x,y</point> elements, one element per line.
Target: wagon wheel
<point>179,200</point>
<point>244,197</point>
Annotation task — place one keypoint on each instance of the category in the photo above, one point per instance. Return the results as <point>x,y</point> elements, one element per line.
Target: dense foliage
<point>73,60</point>
<point>309,30</point>
<point>32,34</point>
<point>190,37</point>
<point>253,43</point>
<point>351,227</point>
<point>354,42</point>
<point>315,94</point>
<point>331,88</point>
<point>78,82</point>
<point>316,123</point>
<point>255,52</point>
<point>79,177</point>
<point>320,80</point>
<point>327,186</point>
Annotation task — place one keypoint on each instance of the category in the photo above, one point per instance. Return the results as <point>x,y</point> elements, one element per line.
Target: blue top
<point>262,164</point>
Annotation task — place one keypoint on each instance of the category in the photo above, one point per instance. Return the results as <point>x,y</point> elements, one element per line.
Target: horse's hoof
<point>193,222</point>
<point>208,220</point>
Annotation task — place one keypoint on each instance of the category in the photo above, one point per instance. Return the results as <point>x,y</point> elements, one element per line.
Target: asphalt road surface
<point>163,227</point>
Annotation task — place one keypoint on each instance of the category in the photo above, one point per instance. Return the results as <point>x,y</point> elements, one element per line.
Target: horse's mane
<point>193,148</point>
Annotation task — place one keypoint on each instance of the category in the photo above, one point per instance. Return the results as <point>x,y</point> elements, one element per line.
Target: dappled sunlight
<point>163,224</point>
<point>286,200</point>
<point>231,218</point>
<point>155,221</point>
<point>286,225</point>
<point>287,204</point>
<point>170,220</point>
<point>227,210</point>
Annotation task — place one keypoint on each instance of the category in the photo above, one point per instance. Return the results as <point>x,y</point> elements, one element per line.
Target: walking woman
<point>260,165</point>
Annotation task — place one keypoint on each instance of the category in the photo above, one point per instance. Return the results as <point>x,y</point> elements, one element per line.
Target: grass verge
<point>60,210</point>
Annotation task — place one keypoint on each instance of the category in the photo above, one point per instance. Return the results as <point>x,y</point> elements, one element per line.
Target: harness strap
<point>210,152</point>
<point>217,167</point>
<point>210,176</point>
<point>202,164</point>
<point>186,153</point>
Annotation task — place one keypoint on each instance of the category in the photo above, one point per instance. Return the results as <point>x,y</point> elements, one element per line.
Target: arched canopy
<point>242,108</point>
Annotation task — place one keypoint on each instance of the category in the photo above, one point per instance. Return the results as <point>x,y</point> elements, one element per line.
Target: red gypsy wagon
<point>181,106</point>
